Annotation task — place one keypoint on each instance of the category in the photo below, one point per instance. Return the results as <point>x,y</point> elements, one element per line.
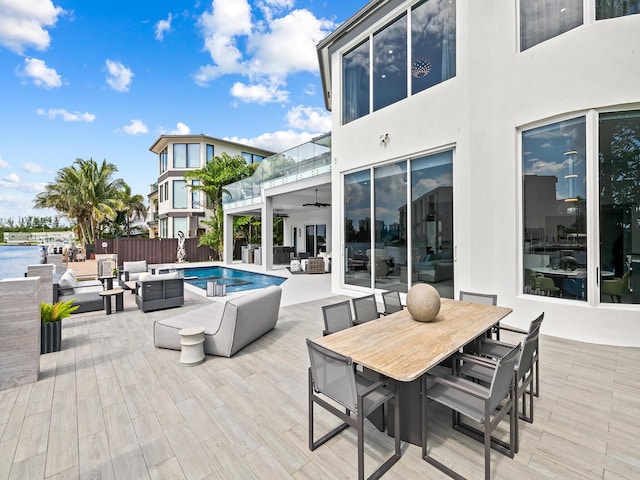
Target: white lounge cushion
<point>67,280</point>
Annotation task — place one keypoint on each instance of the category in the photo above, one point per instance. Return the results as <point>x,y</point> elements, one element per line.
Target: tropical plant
<point>56,311</point>
<point>214,176</point>
<point>134,211</point>
<point>84,193</point>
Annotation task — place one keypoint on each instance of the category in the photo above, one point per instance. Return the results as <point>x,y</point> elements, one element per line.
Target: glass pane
<point>390,64</point>
<point>209,153</point>
<point>179,194</point>
<point>616,8</point>
<point>620,207</point>
<point>355,83</point>
<point>179,155</point>
<point>390,253</point>
<point>180,225</point>
<point>433,43</point>
<point>541,20</point>
<point>432,222</point>
<point>196,195</point>
<point>193,155</point>
<point>357,218</point>
<point>555,201</point>
<point>321,238</point>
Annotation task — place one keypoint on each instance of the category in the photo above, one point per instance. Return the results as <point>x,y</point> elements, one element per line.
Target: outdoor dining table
<point>403,349</point>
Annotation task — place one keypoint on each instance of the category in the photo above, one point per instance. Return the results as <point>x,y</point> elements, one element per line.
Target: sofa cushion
<point>67,280</point>
<point>135,267</point>
<point>159,276</point>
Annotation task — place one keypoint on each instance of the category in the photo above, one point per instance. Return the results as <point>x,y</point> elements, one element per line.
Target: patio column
<point>267,234</point>
<point>227,252</point>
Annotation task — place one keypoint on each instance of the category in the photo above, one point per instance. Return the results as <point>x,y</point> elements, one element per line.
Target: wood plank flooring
<point>111,406</point>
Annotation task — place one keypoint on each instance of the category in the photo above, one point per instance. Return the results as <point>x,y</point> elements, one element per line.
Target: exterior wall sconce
<point>384,139</point>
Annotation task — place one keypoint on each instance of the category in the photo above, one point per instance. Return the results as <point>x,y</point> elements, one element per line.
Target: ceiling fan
<point>316,203</point>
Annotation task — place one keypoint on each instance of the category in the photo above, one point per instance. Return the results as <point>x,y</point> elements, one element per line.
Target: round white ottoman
<point>192,342</point>
<point>295,266</point>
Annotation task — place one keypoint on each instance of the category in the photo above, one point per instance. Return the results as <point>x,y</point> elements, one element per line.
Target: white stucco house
<point>488,146</point>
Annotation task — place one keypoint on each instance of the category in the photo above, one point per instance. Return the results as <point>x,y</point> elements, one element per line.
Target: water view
<point>15,258</point>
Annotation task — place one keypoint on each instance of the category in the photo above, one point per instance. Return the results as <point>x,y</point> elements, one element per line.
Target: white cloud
<point>31,167</point>
<point>67,116</point>
<point>118,76</point>
<point>309,118</point>
<point>12,178</point>
<point>23,23</point>
<point>275,47</point>
<point>41,75</point>
<point>181,129</point>
<point>3,163</point>
<point>163,26</point>
<point>136,127</point>
<point>276,141</point>
<point>261,93</point>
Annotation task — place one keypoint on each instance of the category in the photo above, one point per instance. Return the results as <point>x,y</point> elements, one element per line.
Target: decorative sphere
<point>423,302</point>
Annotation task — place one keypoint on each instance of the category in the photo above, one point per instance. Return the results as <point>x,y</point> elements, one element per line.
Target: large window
<point>164,227</point>
<point>355,83</point>
<point>196,195</point>
<point>555,202</point>
<point>179,194</point>
<point>390,215</point>
<point>186,155</point>
<point>428,182</point>
<point>619,165</point>
<point>357,225</point>
<point>210,153</point>
<point>433,43</point>
<point>616,8</point>
<point>390,64</point>
<point>180,224</point>
<point>432,222</point>
<point>163,158</point>
<point>541,20</point>
<point>433,59</point>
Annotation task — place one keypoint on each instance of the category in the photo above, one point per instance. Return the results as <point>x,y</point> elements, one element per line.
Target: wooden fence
<point>153,250</point>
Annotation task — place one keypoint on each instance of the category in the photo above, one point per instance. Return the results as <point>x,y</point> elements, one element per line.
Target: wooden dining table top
<point>402,348</point>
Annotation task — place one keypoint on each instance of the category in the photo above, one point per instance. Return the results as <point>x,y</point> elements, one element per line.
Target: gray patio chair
<point>365,309</point>
<point>497,349</point>
<point>337,317</point>
<point>523,372</point>
<point>334,376</point>
<point>391,302</point>
<point>485,299</point>
<point>485,405</point>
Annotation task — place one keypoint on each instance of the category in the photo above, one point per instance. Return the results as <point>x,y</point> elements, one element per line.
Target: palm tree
<point>134,209</point>
<point>86,194</point>
<point>214,176</point>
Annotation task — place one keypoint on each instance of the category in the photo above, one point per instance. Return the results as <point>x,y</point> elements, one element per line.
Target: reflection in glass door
<point>432,222</point>
<point>357,228</point>
<point>316,239</point>
<point>619,163</point>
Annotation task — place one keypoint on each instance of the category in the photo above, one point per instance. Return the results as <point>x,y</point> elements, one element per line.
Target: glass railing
<point>304,161</point>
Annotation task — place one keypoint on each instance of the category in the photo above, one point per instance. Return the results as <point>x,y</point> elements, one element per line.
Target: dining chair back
<point>365,309</point>
<point>334,376</point>
<point>484,405</point>
<point>484,298</point>
<point>337,316</point>
<point>391,302</point>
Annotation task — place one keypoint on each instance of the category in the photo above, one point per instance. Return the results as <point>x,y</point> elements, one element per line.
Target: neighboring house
<point>484,146</point>
<point>179,208</point>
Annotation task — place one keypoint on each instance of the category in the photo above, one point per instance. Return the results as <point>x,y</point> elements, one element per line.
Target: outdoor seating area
<point>112,404</point>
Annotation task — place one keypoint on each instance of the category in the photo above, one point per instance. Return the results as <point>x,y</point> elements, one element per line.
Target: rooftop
<point>111,405</point>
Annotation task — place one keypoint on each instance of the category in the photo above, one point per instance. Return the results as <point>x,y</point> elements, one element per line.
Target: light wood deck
<point>112,406</point>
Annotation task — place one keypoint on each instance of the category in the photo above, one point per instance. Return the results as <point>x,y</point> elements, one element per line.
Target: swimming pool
<point>235,280</point>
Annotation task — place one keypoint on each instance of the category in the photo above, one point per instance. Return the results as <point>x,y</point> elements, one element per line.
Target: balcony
<point>304,161</point>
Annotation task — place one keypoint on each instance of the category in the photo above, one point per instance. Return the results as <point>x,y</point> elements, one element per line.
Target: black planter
<point>50,337</point>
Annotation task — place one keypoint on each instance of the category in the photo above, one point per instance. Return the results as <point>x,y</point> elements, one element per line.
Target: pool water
<point>235,280</point>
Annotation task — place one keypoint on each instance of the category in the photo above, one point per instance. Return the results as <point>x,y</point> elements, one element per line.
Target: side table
<point>192,343</point>
<point>115,292</point>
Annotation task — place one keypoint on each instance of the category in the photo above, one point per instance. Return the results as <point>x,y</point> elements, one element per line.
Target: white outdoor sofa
<point>228,326</point>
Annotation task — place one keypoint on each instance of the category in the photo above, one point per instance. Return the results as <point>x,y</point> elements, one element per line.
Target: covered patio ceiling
<point>286,203</point>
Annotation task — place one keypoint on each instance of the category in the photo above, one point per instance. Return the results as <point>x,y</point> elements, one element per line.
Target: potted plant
<point>51,316</point>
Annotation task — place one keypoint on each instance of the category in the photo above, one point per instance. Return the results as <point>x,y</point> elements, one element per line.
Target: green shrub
<point>57,311</point>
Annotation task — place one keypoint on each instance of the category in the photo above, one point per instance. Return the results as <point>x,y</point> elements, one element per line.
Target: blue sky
<point>102,80</point>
